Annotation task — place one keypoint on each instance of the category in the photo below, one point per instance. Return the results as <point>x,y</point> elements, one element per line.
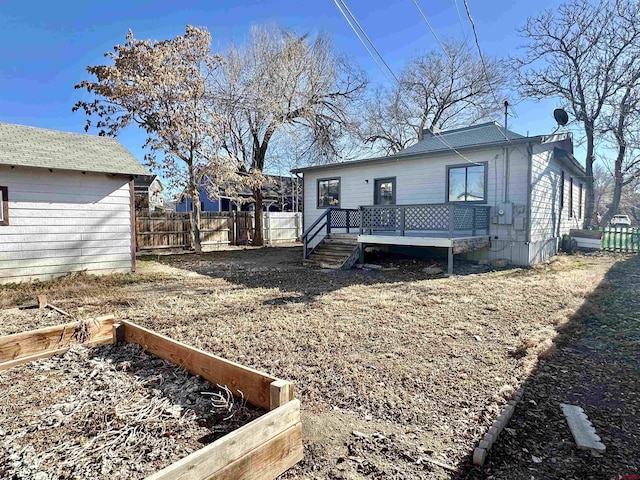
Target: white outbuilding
<point>67,204</point>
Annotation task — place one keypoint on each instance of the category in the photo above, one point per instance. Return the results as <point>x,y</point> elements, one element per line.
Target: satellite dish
<point>561,116</point>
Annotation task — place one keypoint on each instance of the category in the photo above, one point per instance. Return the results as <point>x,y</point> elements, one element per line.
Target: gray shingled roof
<point>39,147</point>
<point>462,137</point>
<point>483,135</point>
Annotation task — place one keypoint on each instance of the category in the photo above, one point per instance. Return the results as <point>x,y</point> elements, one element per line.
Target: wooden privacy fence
<point>621,239</point>
<point>172,230</point>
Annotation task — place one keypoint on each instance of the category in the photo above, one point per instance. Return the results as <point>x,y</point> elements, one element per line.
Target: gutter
<point>529,191</point>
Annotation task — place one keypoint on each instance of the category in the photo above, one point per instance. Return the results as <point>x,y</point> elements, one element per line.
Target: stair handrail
<point>306,238</point>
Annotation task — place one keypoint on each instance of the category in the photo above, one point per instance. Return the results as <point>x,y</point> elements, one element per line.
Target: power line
<point>369,40</point>
<point>435,134</point>
<point>435,35</point>
<point>361,40</point>
<point>455,67</point>
<point>484,65</point>
<point>464,33</point>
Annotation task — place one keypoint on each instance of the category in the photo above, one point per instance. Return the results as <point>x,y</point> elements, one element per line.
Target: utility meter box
<point>503,212</point>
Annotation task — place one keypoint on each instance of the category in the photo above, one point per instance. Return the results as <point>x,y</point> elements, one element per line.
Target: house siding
<point>61,222</point>
<point>423,180</point>
<point>549,219</point>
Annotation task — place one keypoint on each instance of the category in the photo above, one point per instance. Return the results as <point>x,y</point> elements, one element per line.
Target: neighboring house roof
<point>485,135</point>
<point>143,182</point>
<point>38,147</point>
<point>275,186</point>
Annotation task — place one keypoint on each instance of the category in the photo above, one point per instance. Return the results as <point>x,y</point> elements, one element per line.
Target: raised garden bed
<point>146,408</point>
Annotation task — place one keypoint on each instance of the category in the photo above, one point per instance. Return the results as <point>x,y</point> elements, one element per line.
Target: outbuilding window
<point>467,183</point>
<point>580,204</point>
<point>571,197</point>
<point>328,192</point>
<point>4,206</point>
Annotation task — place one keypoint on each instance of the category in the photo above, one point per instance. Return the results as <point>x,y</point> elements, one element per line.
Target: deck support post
<point>361,248</point>
<point>450,261</point>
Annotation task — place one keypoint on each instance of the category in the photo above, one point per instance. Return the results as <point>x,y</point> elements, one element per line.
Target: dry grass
<point>426,362</point>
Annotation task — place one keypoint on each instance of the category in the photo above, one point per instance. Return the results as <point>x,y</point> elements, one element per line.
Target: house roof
<point>484,133</point>
<point>38,147</point>
<point>477,136</point>
<point>145,181</point>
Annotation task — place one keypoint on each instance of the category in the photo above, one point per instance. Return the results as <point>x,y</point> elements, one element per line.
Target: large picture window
<point>4,206</point>
<point>467,183</point>
<point>328,192</point>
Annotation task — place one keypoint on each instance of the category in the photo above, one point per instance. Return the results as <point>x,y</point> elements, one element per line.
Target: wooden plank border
<point>259,450</point>
<point>240,454</point>
<point>255,386</point>
<point>49,341</point>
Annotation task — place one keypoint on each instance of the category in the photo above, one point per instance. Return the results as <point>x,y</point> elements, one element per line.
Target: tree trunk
<point>258,237</point>
<point>590,196</point>
<point>195,211</point>
<point>617,186</point>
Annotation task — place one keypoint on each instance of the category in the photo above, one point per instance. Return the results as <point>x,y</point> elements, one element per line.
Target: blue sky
<point>45,49</point>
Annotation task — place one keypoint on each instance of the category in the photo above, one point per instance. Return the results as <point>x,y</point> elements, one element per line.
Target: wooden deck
<point>461,244</point>
<point>457,227</point>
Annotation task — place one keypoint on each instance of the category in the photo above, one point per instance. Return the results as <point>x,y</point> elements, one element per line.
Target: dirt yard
<point>397,369</point>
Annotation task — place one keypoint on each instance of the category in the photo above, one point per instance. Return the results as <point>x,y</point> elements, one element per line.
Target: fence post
<point>329,221</point>
<point>473,228</point>
<point>402,219</point>
<point>451,207</point>
<point>347,219</point>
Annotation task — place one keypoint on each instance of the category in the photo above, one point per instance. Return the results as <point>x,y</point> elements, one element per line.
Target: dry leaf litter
<point>109,412</point>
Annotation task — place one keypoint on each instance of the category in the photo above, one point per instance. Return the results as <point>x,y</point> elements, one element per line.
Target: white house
<point>149,193</point>
<point>483,191</point>
<point>67,204</point>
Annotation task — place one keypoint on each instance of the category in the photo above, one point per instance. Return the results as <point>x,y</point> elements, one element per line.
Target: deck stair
<point>337,251</point>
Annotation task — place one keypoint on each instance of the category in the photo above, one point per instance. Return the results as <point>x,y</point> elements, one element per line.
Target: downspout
<point>505,157</point>
<point>529,190</point>
<point>298,179</point>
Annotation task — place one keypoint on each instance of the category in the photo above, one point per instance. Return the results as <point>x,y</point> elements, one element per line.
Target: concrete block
<point>494,431</point>
<point>582,429</point>
<point>484,445</point>
<point>479,456</point>
<point>508,411</point>
<point>489,438</point>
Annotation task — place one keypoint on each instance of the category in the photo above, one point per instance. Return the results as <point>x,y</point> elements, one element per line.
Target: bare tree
<point>630,202</point>
<point>277,83</point>
<point>161,86</point>
<point>580,54</point>
<point>622,124</point>
<point>440,89</point>
<point>602,190</point>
